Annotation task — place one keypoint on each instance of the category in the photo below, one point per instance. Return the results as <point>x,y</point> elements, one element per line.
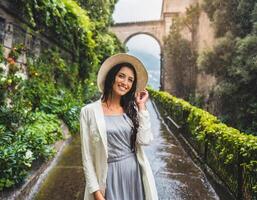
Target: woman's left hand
<point>141,98</point>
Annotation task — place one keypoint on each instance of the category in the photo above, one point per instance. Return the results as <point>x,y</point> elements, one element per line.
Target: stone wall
<point>14,30</point>
<point>204,40</point>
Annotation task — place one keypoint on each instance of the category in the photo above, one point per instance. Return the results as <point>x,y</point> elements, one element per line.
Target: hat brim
<point>142,75</point>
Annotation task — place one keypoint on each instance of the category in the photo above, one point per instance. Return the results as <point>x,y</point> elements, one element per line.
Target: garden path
<point>177,176</point>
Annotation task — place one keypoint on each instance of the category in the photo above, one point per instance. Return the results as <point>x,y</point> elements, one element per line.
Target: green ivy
<point>75,31</point>
<point>30,142</point>
<point>1,54</point>
<point>57,86</point>
<point>235,16</point>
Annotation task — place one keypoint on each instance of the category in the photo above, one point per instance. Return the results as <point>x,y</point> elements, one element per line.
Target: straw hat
<point>142,76</point>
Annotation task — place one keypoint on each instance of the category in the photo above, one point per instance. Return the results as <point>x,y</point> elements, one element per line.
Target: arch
<point>144,33</point>
<point>157,29</point>
<point>124,31</point>
<point>154,29</point>
<point>151,40</point>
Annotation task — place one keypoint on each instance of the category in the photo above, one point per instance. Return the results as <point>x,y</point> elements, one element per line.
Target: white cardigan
<point>94,150</point>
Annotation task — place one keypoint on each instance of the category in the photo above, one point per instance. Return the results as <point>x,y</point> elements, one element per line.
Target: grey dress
<point>124,177</point>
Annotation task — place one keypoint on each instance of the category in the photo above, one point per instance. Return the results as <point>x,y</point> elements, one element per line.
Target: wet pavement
<point>176,176</point>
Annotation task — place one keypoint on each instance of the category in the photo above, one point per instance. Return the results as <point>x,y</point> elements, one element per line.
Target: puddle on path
<point>176,176</point>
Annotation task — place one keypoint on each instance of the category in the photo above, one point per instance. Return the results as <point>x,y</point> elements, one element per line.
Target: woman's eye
<point>121,75</point>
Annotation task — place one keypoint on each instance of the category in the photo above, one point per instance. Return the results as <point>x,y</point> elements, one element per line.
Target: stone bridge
<point>159,29</point>
<point>125,31</point>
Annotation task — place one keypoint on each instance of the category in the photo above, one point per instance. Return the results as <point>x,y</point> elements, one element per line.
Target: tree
<point>183,61</point>
<point>99,11</point>
<point>233,15</point>
<point>233,61</point>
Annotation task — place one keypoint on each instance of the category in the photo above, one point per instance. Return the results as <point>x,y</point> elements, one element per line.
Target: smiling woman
<point>115,166</point>
<point>120,79</point>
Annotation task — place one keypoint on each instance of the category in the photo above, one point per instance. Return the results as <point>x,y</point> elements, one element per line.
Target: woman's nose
<point>125,81</point>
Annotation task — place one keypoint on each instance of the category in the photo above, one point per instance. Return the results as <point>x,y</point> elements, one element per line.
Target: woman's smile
<point>123,88</point>
<point>123,81</point>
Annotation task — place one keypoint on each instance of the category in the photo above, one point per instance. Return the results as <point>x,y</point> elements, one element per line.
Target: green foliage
<point>28,133</point>
<point>60,95</point>
<point>59,71</point>
<point>99,11</point>
<point>40,132</point>
<point>15,160</point>
<point>196,100</point>
<point>16,51</point>
<point>182,57</point>
<point>235,16</point>
<point>91,91</point>
<point>235,62</point>
<point>79,30</point>
<point>2,80</point>
<point>31,141</point>
<point>57,87</point>
<point>1,54</point>
<point>191,19</point>
<point>254,19</point>
<point>224,143</point>
<point>10,82</point>
<point>68,22</point>
<point>107,44</point>
<point>12,117</point>
<point>64,17</point>
<point>181,54</point>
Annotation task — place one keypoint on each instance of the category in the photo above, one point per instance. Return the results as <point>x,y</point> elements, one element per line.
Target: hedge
<point>231,154</point>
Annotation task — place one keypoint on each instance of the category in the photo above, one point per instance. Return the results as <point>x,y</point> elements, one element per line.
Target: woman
<point>113,130</point>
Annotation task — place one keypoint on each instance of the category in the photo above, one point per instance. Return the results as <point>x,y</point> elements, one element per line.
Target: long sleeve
<point>88,167</point>
<point>144,134</point>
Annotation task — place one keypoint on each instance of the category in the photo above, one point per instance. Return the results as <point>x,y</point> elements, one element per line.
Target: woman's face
<point>123,81</point>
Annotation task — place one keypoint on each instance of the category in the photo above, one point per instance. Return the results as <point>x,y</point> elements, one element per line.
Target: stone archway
<point>153,29</point>
<point>145,33</point>
<point>158,29</point>
<point>153,60</point>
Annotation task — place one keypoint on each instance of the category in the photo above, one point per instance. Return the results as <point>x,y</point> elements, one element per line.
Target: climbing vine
<point>75,30</point>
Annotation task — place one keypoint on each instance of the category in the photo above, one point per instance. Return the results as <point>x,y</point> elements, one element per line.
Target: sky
<point>144,43</point>
<point>137,10</point>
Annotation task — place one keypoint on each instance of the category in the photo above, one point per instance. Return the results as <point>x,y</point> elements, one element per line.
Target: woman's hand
<point>98,195</point>
<point>141,98</point>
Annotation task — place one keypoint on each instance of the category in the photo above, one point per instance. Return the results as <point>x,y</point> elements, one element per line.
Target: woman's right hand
<point>98,195</point>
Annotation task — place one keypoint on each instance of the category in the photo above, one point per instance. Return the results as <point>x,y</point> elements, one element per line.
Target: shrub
<point>225,149</point>
<point>32,141</point>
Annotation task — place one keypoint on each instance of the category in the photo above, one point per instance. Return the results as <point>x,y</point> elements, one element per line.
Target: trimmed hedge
<point>231,154</point>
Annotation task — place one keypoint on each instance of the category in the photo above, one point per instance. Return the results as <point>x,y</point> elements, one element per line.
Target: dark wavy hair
<point>127,101</point>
